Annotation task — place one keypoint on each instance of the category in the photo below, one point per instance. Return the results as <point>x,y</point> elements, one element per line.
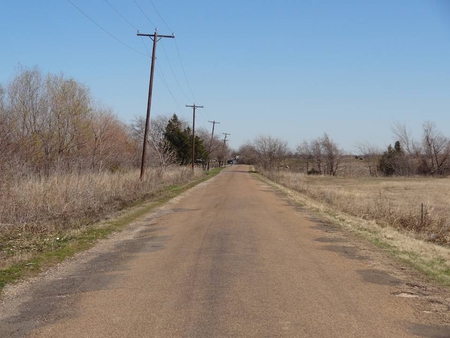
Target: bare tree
<point>371,155</point>
<point>333,155</point>
<point>160,152</point>
<point>306,155</point>
<point>6,141</point>
<point>214,146</point>
<point>404,136</point>
<point>248,154</point>
<point>321,155</point>
<point>312,153</point>
<point>436,149</point>
<point>111,146</point>
<point>317,153</point>
<point>71,111</point>
<point>51,125</point>
<point>216,150</point>
<point>161,149</point>
<point>407,164</point>
<point>27,113</point>
<point>271,151</point>
<point>102,122</point>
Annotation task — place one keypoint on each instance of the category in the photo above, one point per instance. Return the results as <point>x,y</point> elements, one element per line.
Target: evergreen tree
<point>178,139</point>
<point>391,160</point>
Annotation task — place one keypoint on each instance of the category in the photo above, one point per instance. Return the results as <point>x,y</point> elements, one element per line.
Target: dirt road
<point>230,258</point>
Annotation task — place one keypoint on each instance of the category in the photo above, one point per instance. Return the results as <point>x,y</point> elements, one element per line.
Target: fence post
<point>421,214</point>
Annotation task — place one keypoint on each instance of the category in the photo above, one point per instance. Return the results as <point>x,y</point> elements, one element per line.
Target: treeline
<point>318,156</point>
<point>428,156</point>
<point>51,124</point>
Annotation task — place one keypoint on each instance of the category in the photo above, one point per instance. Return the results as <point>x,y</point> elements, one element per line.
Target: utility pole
<point>155,37</point>
<point>210,143</point>
<point>223,147</point>
<point>194,107</point>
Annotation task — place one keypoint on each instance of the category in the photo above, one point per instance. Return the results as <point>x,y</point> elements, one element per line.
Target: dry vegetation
<point>393,201</point>
<point>34,213</point>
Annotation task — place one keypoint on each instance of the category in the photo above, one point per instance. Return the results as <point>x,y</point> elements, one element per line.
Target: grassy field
<point>394,202</point>
<point>42,222</point>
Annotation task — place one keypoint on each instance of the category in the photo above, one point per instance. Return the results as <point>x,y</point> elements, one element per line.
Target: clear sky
<point>292,69</point>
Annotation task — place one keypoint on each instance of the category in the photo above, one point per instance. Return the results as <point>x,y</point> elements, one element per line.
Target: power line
<point>129,23</point>
<point>177,81</point>
<point>173,73</point>
<point>160,73</point>
<point>103,29</point>
<point>142,11</point>
<point>148,52</point>
<point>159,70</point>
<point>176,45</point>
<point>203,116</point>
<point>115,10</point>
<point>163,79</point>
<point>157,12</point>
<point>184,71</point>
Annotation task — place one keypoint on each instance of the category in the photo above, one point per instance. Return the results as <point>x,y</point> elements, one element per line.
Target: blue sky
<point>287,68</point>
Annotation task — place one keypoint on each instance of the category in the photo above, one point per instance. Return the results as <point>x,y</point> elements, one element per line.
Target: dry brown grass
<point>394,202</point>
<point>33,212</point>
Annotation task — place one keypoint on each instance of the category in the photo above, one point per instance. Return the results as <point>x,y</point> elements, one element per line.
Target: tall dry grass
<point>393,201</point>
<point>40,206</point>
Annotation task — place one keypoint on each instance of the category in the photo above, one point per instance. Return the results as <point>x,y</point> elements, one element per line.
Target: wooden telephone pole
<point>155,37</point>
<point>210,142</point>
<point>194,107</point>
<point>223,147</point>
